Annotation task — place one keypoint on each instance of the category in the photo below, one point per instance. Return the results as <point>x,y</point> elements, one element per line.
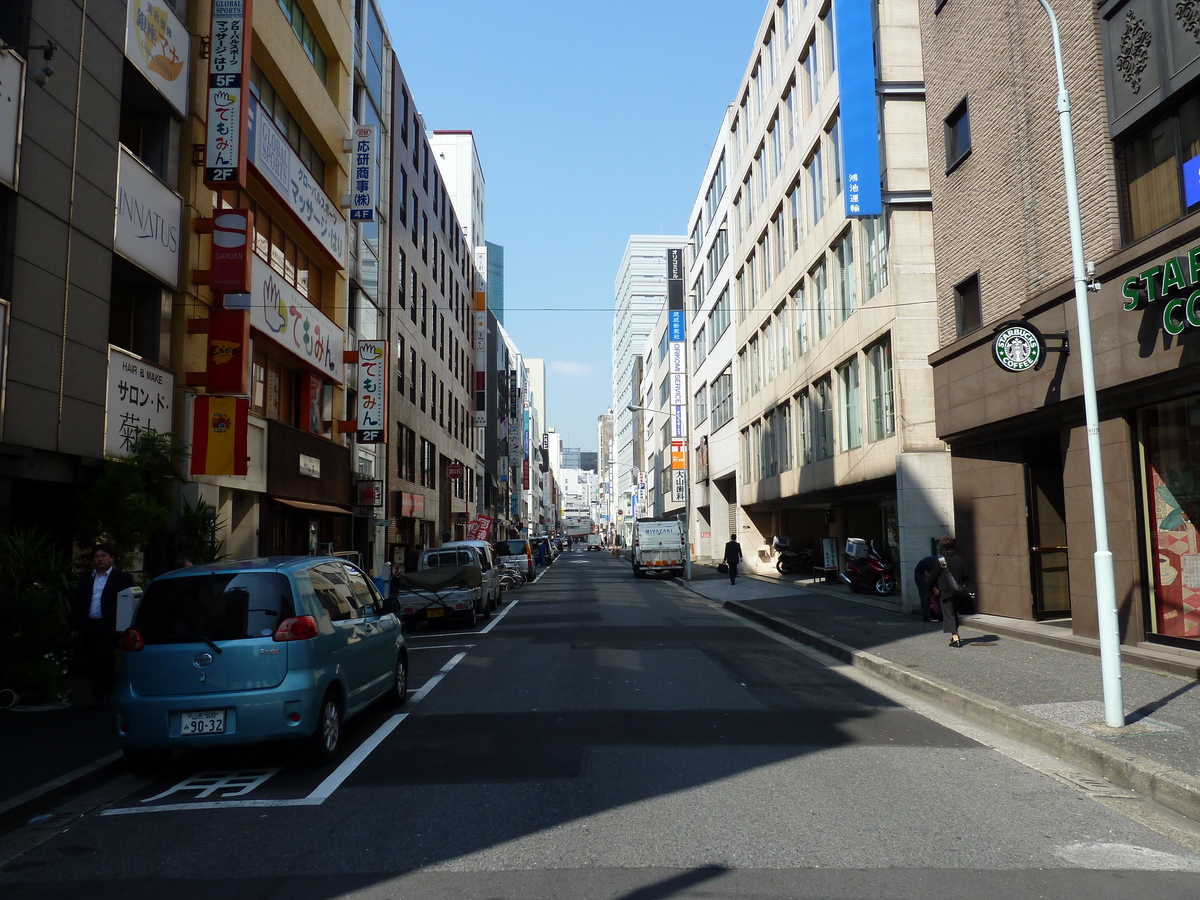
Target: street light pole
<point>1106,594</point>
<point>687,500</point>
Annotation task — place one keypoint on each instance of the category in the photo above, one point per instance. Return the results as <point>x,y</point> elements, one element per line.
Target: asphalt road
<point>609,737</point>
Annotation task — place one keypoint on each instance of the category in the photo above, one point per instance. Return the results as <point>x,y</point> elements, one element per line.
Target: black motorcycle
<point>799,560</point>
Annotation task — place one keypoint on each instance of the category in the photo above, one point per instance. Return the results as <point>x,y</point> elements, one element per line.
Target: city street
<point>606,736</point>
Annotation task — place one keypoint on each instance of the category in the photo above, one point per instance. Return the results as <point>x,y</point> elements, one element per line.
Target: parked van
<point>519,554</point>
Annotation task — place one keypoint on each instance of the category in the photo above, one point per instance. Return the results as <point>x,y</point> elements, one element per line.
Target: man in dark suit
<point>94,620</point>
<point>733,556</point>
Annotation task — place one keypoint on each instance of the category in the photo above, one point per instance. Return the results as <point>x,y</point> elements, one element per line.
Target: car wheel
<point>472,616</point>
<point>487,607</point>
<point>147,762</point>
<point>324,742</point>
<point>637,573</point>
<point>399,690</point>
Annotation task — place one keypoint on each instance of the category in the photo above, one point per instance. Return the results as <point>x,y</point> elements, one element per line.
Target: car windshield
<point>223,606</point>
<point>511,548</point>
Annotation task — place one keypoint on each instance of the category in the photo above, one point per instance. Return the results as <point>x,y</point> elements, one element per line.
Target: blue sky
<point>593,121</point>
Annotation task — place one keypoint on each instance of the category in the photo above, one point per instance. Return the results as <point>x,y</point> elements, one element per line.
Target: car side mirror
<point>390,605</point>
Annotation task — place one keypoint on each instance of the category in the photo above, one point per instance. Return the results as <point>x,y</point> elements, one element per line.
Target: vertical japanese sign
<point>228,92</point>
<point>362,197</point>
<point>677,347</point>
<point>481,366</point>
<point>859,106</point>
<point>372,380</point>
<point>139,399</point>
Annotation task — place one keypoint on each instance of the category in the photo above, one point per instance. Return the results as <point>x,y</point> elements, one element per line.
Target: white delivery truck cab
<point>657,547</point>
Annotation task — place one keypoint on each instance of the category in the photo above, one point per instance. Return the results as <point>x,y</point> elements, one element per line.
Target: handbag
<point>963,599</point>
<point>723,568</point>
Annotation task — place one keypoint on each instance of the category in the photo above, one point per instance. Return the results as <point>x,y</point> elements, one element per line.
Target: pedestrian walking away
<point>94,620</point>
<point>733,555</point>
<point>951,583</point>
<point>924,575</point>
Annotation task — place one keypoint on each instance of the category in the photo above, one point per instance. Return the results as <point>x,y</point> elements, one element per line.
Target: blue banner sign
<point>859,107</point>
<point>676,325</point>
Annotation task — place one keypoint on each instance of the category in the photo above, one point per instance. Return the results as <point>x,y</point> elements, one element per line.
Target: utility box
<point>856,548</point>
<point>127,604</point>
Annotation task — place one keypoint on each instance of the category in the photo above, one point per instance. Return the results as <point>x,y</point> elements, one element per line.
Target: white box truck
<point>657,547</point>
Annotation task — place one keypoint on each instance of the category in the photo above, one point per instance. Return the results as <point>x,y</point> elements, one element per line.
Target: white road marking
<point>443,647</point>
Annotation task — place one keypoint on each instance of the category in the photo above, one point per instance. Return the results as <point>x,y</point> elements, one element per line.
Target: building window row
<point>829,415</point>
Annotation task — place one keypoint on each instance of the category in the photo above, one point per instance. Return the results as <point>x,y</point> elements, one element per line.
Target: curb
<point>1163,784</point>
<point>16,811</point>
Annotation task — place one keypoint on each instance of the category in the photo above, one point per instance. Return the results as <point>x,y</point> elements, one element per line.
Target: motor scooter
<point>866,569</point>
<point>790,560</point>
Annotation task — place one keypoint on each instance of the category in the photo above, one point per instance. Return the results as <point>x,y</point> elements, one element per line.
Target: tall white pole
<point>1106,594</point>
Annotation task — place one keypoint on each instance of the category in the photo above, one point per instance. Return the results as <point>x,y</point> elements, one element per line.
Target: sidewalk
<point>1034,682</point>
<point>47,751</point>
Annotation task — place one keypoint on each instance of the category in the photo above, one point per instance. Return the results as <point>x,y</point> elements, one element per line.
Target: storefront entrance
<point>1049,576</point>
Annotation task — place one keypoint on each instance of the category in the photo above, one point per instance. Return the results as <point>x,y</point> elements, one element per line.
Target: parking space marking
<point>230,784</point>
<point>241,780</point>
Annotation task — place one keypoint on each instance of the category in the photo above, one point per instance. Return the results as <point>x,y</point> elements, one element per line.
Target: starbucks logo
<point>1018,347</point>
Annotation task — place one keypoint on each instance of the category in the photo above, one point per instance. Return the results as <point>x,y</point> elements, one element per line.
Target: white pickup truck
<point>657,547</point>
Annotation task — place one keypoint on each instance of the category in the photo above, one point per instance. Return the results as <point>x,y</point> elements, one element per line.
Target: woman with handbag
<point>950,583</point>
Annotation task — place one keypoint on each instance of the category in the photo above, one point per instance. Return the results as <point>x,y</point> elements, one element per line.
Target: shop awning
<point>314,507</point>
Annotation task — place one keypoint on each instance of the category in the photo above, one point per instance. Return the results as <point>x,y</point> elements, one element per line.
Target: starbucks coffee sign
<point>1018,346</point>
<point>1177,281</point>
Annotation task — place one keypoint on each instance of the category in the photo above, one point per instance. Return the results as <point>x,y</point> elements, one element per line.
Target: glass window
<point>332,587</point>
<point>722,398</point>
<point>875,249</point>
<point>804,405</point>
<point>783,332</point>
<point>834,138</point>
<point>823,418</point>
<point>219,607</point>
<point>718,318</point>
<point>800,321</point>
<point>783,435</point>
<point>816,186</point>
<point>812,75</point>
<point>1170,435</point>
<point>882,416</point>
<point>851,407</point>
<point>958,135</point>
<point>820,289</point>
<point>968,306</point>
<point>795,203</point>
<point>843,254</point>
<point>701,404</point>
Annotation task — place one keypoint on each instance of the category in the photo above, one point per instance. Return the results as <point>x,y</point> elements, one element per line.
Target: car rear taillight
<point>131,640</point>
<point>298,628</point>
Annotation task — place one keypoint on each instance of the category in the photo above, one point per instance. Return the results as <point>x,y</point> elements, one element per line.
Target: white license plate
<point>208,721</point>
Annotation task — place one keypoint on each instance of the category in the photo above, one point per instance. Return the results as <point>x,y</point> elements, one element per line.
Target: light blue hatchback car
<point>255,650</point>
